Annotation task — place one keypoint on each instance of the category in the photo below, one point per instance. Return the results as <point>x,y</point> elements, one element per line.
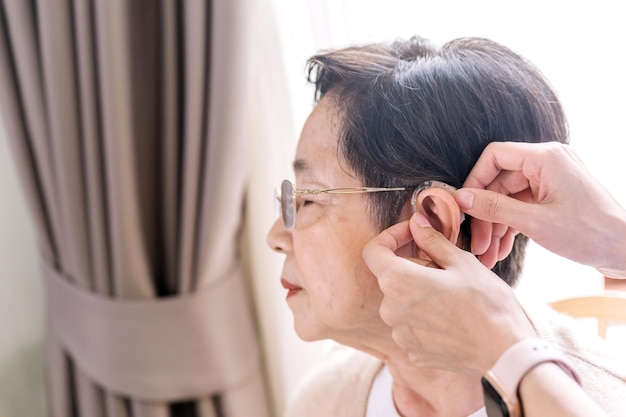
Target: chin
<point>309,333</point>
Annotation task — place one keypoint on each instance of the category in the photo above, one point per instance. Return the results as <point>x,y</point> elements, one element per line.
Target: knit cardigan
<point>340,386</point>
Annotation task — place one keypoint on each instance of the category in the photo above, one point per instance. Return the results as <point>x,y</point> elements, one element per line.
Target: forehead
<point>317,154</point>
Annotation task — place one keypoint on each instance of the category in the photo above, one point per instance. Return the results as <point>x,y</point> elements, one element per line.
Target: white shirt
<point>380,401</point>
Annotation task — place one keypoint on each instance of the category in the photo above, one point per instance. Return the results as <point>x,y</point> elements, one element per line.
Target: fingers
<point>496,219</point>
<point>435,245</point>
<point>506,243</point>
<point>513,170</point>
<point>482,232</point>
<point>380,252</point>
<point>497,157</point>
<point>526,158</point>
<point>494,207</point>
<point>500,244</point>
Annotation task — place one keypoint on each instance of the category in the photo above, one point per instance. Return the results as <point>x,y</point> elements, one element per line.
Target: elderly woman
<point>395,127</point>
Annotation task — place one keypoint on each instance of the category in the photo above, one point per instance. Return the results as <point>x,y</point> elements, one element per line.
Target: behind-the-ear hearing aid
<point>435,200</point>
<point>433,183</point>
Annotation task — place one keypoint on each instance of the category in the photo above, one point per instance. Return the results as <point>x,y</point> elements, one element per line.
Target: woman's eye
<point>303,203</point>
<point>308,200</point>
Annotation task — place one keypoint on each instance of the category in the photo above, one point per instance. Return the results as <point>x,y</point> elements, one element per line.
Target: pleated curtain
<point>125,122</point>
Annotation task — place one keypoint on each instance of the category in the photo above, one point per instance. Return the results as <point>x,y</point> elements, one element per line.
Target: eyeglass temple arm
<point>345,190</point>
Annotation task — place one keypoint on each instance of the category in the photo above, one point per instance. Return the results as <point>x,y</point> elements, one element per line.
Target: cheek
<point>332,269</point>
<point>368,284</point>
<point>343,285</point>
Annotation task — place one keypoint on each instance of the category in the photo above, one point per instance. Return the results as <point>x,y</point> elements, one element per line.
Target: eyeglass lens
<point>287,205</point>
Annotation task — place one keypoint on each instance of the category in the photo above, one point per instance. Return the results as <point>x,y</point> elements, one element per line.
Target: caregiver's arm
<point>548,391</point>
<point>434,314</point>
<point>460,316</point>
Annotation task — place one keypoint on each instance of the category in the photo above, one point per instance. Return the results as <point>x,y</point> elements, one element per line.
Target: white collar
<point>380,400</point>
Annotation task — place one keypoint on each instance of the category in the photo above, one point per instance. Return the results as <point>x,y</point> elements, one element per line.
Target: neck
<point>420,391</point>
<point>431,392</point>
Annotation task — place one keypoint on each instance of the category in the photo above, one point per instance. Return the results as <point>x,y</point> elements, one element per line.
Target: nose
<point>278,237</point>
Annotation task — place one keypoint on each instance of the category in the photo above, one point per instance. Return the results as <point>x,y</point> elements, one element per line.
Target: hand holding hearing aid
<point>545,192</point>
<point>433,311</point>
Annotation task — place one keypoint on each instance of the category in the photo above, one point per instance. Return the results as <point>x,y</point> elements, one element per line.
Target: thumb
<point>494,207</point>
<point>380,253</point>
<point>435,245</point>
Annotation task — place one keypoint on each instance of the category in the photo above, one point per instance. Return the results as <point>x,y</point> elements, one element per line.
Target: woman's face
<point>331,292</point>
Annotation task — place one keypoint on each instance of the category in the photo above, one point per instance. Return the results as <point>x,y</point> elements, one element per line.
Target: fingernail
<point>465,199</point>
<point>421,220</point>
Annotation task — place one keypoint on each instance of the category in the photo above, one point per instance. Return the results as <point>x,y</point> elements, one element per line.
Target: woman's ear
<point>441,210</point>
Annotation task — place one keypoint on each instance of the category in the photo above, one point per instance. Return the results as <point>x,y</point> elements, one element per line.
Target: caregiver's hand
<point>460,317</point>
<point>545,192</point>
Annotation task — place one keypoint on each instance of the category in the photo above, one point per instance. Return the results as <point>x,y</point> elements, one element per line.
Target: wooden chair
<point>607,307</point>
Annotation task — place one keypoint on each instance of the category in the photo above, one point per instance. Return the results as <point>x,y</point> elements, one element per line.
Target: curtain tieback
<point>164,349</point>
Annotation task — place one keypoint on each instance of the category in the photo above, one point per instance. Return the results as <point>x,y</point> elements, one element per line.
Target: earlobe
<point>441,210</point>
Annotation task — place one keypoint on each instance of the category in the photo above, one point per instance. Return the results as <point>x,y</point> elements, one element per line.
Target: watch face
<point>494,403</point>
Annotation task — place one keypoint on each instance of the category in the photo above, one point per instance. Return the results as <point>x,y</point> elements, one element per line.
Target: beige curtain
<point>124,118</point>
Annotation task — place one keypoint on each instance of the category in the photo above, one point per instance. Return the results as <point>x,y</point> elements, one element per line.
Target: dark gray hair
<point>411,112</point>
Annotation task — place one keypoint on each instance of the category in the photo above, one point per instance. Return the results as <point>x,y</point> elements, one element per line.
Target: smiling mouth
<point>291,288</point>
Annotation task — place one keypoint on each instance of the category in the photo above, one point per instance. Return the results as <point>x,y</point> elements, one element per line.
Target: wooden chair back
<point>608,307</point>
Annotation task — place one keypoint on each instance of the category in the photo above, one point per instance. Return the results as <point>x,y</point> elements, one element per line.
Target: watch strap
<point>509,370</point>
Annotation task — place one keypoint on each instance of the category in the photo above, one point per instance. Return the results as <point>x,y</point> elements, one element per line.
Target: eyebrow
<point>300,165</point>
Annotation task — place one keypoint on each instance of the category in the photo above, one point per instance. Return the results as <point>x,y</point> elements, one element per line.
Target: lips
<point>291,288</point>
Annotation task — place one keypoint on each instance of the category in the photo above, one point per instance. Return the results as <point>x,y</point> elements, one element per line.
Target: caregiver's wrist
<point>513,328</point>
<point>614,245</point>
<point>519,372</point>
<point>501,346</point>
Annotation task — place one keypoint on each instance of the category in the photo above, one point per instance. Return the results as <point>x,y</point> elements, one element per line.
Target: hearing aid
<point>429,184</point>
<point>435,200</point>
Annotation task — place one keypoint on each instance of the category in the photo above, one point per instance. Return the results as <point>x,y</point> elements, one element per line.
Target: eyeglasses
<point>288,192</point>
<point>286,196</point>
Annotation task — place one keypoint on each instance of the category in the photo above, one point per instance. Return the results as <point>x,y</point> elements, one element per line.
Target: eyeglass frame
<point>289,209</point>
